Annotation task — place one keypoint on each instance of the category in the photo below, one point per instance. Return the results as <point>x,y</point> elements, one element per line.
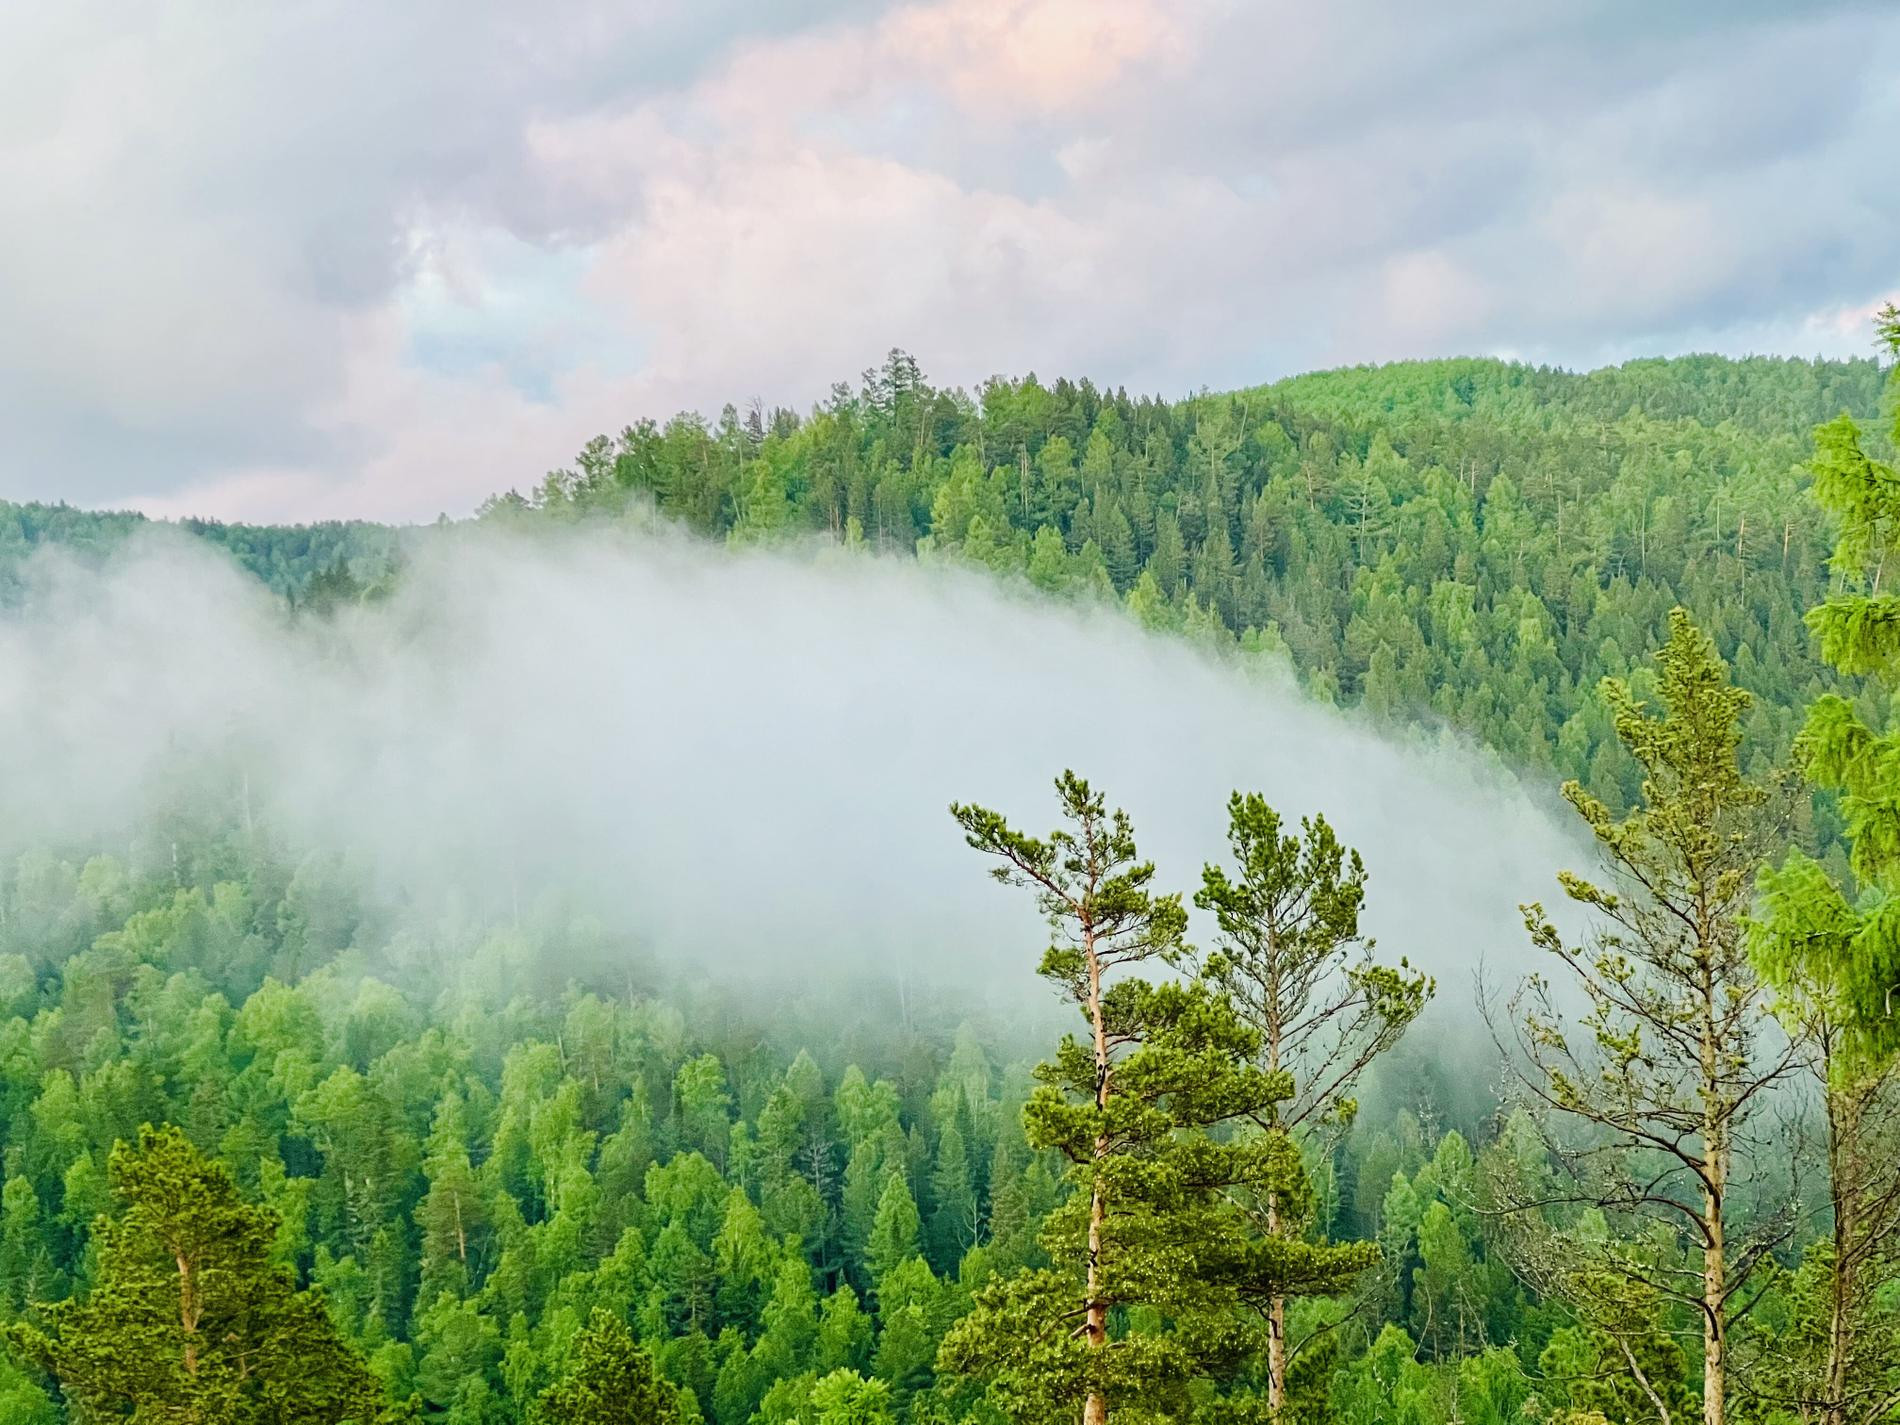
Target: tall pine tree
<point>187,1319</point>
<point>1153,1259</point>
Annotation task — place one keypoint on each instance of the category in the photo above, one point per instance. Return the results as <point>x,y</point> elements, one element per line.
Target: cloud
<point>235,252</point>
<point>743,761</point>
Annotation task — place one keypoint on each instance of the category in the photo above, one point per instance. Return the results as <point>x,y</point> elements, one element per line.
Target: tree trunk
<point>1715,1155</point>
<point>1843,1131</point>
<point>1715,1130</point>
<point>1276,1306</point>
<point>1095,1409</point>
<point>1276,1329</point>
<point>188,1310</point>
<point>1714,1343</point>
<point>1839,1346</point>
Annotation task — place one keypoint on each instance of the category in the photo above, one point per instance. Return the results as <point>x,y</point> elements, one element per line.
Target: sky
<point>290,262</point>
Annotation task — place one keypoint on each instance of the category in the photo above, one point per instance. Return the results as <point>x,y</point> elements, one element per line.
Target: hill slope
<point>1465,540</point>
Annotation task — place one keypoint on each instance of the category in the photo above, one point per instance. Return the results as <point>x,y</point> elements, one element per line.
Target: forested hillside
<point>1468,542</point>
<point>288,558</point>
<point>769,1196</point>
<point>274,1149</point>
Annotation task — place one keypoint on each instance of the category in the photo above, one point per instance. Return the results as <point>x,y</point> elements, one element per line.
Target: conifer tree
<point>894,1231</point>
<point>609,1381</point>
<point>1151,1220</point>
<point>1293,962</point>
<point>1858,629</point>
<point>1668,1067</point>
<point>1832,956</point>
<point>453,1213</point>
<point>954,1220</point>
<point>187,1320</point>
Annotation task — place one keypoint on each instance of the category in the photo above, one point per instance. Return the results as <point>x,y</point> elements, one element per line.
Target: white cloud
<point>385,261</point>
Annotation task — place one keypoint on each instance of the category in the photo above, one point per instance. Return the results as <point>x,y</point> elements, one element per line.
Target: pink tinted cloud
<point>993,61</point>
<point>776,222</point>
<point>1038,56</point>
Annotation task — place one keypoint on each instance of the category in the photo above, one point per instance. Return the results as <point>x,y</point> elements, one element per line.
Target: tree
<point>1841,1358</point>
<point>453,1214</point>
<point>955,1220</point>
<point>1152,1230</point>
<point>1669,1068</point>
<point>844,1333</point>
<point>846,1398</point>
<point>1293,962</point>
<point>187,1319</point>
<point>1832,963</point>
<point>24,1265</point>
<point>704,1106</point>
<point>1858,629</point>
<point>609,1380</point>
<point>1626,1375</point>
<point>894,1231</point>
<point>839,1397</point>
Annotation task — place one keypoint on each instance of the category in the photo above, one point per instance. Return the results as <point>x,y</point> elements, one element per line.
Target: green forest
<point>258,1167</point>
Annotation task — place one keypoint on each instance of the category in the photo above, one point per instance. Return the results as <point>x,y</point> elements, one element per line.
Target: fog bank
<point>739,759</point>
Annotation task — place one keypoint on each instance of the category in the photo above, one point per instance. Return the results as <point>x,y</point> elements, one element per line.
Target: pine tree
<point>1293,962</point>
<point>609,1381</point>
<point>1152,1220</point>
<point>187,1319</point>
<point>453,1214</point>
<point>1667,1071</point>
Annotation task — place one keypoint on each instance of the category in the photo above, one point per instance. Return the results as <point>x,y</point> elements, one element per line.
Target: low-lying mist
<point>740,762</point>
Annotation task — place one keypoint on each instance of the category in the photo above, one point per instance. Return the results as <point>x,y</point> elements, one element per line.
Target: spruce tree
<point>1832,955</point>
<point>894,1232</point>
<point>1858,630</point>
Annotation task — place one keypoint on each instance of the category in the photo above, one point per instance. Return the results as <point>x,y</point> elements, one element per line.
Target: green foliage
<point>629,1190</point>
<point>1659,1084</point>
<point>1850,936</point>
<point>609,1380</point>
<point>1637,1377</point>
<point>1467,543</point>
<point>186,1318</point>
<point>1829,951</point>
<point>327,564</point>
<point>1169,1226</point>
<point>1289,930</point>
<point>469,1179</point>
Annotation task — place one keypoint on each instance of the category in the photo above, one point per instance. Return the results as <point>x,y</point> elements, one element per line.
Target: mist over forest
<point>541,966</point>
<point>620,721</point>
